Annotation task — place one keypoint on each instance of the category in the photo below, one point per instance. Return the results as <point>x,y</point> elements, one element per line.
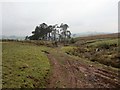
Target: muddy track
<point>67,72</point>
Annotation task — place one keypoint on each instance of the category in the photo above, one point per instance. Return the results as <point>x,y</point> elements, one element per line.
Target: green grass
<point>68,49</point>
<point>105,43</point>
<point>24,66</point>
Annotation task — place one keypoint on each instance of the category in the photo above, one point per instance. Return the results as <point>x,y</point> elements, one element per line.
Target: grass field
<point>24,65</point>
<point>40,64</point>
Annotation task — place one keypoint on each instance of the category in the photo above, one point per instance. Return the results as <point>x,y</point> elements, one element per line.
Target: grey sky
<point>20,18</point>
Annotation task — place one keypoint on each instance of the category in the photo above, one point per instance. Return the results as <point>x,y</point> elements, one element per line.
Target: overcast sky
<point>20,18</point>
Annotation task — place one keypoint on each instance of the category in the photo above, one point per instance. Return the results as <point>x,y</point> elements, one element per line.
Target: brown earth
<point>71,72</point>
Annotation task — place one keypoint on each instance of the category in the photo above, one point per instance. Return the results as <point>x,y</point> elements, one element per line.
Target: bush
<point>104,46</point>
<point>72,40</point>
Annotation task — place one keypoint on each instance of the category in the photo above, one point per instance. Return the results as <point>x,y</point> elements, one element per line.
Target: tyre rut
<point>68,72</point>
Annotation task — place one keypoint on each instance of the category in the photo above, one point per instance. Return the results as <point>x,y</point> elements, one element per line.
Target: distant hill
<point>99,36</point>
<point>12,37</point>
<point>75,35</point>
<point>83,34</point>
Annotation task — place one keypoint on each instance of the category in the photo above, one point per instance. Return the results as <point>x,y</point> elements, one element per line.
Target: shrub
<point>104,46</point>
<point>72,40</point>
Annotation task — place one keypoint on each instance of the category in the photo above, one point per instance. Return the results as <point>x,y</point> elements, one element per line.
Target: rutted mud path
<point>68,72</point>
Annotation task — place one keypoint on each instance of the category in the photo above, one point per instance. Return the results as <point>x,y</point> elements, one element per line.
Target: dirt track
<point>68,72</point>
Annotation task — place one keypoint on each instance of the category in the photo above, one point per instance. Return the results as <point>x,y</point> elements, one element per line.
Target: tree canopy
<point>51,32</point>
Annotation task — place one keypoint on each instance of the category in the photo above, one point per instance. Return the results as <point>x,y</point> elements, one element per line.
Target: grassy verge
<point>106,44</point>
<point>104,52</point>
<point>24,65</point>
<point>68,49</point>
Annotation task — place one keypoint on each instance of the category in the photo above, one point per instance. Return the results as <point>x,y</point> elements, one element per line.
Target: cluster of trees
<point>51,33</point>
